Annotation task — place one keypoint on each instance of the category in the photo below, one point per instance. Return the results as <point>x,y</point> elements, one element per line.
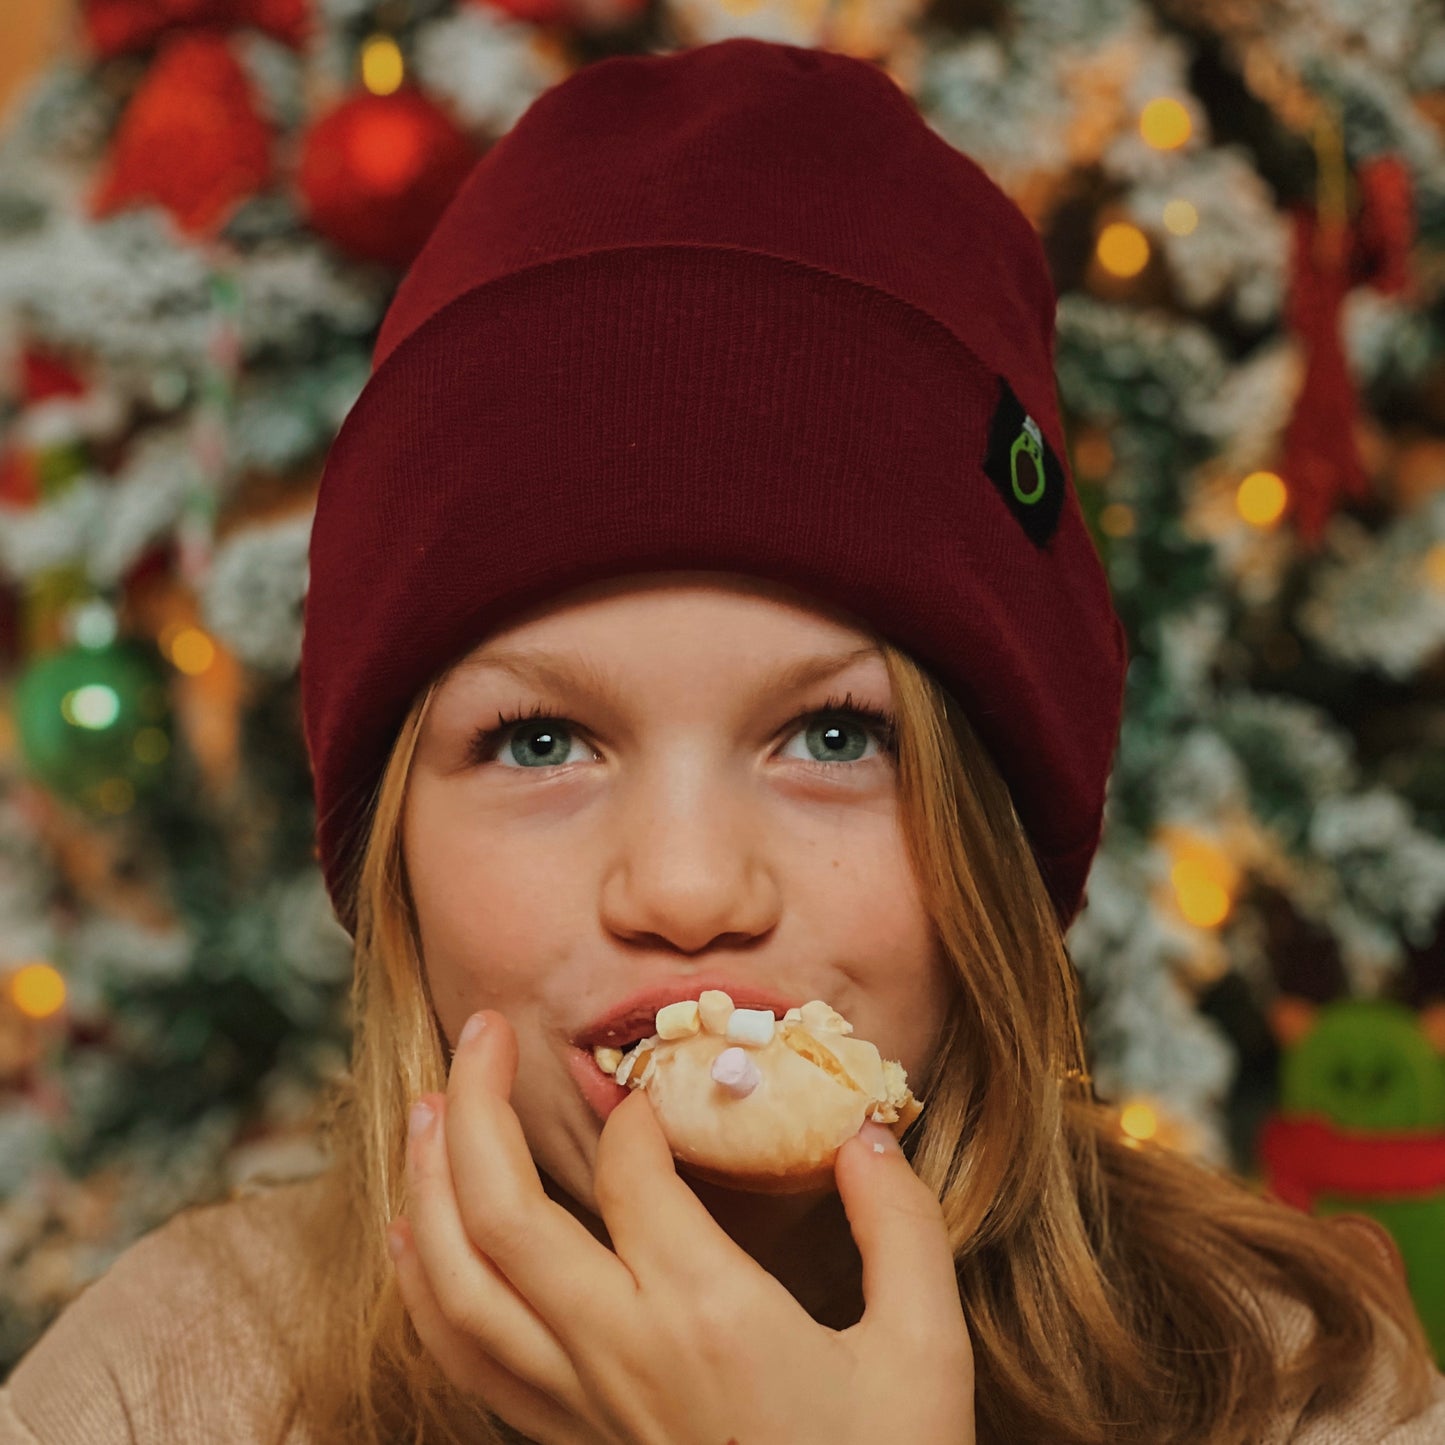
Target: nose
<point>691,869</point>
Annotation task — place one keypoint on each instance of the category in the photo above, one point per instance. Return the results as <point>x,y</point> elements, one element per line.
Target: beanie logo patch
<point>1023,467</point>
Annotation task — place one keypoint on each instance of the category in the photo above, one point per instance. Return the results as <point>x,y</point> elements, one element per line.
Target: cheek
<point>895,962</point>
<point>483,909</point>
<point>870,888</point>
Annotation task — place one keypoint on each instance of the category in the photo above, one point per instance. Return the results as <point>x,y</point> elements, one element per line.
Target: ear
<point>1432,1024</point>
<point>1291,1018</point>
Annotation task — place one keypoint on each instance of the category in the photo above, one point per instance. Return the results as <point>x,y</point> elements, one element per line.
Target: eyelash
<point>883,726</point>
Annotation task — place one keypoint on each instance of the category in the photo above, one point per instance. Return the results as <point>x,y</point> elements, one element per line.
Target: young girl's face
<point>684,822</point>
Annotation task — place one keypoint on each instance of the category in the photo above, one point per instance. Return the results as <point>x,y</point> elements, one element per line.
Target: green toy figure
<point>1361,1129</point>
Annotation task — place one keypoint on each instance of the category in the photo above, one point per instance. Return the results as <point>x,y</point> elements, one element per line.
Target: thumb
<point>898,1226</point>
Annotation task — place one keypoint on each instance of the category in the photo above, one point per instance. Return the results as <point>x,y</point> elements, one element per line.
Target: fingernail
<point>395,1242</point>
<point>880,1137</point>
<point>420,1120</point>
<point>471,1029</point>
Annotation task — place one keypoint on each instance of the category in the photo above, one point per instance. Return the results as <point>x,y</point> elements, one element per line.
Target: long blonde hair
<point>1113,1291</point>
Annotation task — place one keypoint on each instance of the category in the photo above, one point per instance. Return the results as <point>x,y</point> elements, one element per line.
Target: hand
<point>680,1337</point>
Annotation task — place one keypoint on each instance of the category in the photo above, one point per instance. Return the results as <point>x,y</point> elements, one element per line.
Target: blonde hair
<point>1114,1292</point>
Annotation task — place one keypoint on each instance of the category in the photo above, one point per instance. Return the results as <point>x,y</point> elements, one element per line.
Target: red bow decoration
<point>114,27</point>
<point>377,171</point>
<point>192,138</point>
<point>1330,257</point>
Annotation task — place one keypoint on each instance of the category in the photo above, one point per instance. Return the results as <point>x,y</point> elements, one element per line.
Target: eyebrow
<point>577,674</point>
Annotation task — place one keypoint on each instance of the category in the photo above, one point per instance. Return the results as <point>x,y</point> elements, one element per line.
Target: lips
<point>635,1017</point>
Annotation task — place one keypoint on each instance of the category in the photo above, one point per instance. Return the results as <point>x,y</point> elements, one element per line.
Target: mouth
<point>601,1091</point>
<point>638,1020</point>
<point>603,1056</point>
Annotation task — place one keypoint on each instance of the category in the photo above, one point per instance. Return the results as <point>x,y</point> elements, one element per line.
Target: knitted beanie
<point>736,307</point>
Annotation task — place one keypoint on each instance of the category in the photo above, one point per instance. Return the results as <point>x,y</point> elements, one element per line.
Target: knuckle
<point>918,1206</point>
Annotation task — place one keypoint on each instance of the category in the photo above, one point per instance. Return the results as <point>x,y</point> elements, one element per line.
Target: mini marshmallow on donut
<point>756,1103</point>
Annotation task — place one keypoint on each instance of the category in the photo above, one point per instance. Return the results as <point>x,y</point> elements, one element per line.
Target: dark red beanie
<point>732,308</point>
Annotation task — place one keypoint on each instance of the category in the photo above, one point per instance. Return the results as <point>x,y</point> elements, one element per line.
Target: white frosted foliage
<point>1372,604</point>
<point>488,67</point>
<point>255,590</point>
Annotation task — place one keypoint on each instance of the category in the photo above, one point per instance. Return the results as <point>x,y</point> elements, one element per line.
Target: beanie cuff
<point>646,408</point>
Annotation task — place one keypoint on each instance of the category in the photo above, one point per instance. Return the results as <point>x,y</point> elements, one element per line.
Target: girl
<point>698,599</point>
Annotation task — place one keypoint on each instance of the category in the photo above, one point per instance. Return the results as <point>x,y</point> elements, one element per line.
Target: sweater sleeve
<point>1370,1416</point>
<point>1367,1419</point>
<point>182,1338</point>
<point>75,1382</point>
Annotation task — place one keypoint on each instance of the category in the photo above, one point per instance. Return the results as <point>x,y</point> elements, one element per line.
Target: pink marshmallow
<point>736,1072</point>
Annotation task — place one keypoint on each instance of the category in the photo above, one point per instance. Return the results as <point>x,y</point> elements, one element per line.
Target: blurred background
<point>205,206</point>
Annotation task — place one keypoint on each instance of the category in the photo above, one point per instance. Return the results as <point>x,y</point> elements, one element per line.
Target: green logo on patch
<point>1022,465</point>
<point>1029,443</point>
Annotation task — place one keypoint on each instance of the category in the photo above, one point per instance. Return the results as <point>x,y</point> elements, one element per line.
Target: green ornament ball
<point>94,724</point>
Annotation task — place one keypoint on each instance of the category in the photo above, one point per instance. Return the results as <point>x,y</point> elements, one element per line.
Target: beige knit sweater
<point>164,1350</point>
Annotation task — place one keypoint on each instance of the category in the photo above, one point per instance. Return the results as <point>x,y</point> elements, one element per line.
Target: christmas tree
<point>205,207</point>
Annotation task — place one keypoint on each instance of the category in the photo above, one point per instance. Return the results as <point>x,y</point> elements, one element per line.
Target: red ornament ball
<point>377,172</point>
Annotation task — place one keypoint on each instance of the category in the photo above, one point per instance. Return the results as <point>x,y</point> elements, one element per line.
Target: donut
<point>756,1103</point>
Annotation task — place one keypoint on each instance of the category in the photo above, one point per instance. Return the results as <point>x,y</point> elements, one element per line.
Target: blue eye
<point>540,740</point>
<point>834,733</point>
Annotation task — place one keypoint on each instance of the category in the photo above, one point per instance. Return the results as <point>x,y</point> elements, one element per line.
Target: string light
<point>1203,876</point>
<point>1139,1120</point>
<point>1122,249</point>
<point>1117,520</point>
<point>1164,123</point>
<point>189,650</point>
<point>37,990</point>
<point>1093,455</point>
<point>382,67</point>
<point>1261,499</point>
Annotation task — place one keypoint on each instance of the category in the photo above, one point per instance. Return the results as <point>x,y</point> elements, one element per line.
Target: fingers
<point>573,1283</point>
<point>658,1226</point>
<point>464,1363</point>
<point>472,1296</point>
<point>910,1289</point>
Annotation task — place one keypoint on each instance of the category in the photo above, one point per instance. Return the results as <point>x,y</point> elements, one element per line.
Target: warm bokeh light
<point>1117,520</point>
<point>1204,878</point>
<point>1433,567</point>
<point>116,795</point>
<point>1093,455</point>
<point>1203,900</point>
<point>1139,1121</point>
<point>150,745</point>
<point>1180,218</point>
<point>1261,499</point>
<point>192,652</point>
<point>37,990</point>
<point>382,66</point>
<point>1122,249</point>
<point>1164,123</point>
